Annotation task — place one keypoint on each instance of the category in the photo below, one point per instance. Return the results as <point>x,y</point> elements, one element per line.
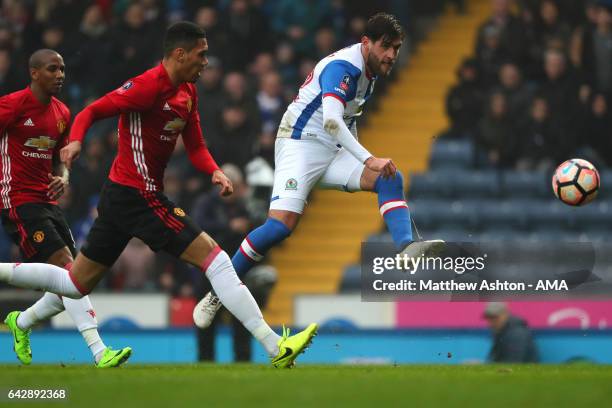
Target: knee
<point>395,183</point>
<point>283,222</point>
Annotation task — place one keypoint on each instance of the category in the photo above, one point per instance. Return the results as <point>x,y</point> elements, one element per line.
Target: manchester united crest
<point>61,125</point>
<point>38,237</point>
<point>189,105</point>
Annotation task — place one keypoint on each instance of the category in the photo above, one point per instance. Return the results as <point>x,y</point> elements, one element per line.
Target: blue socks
<point>257,243</point>
<point>393,208</point>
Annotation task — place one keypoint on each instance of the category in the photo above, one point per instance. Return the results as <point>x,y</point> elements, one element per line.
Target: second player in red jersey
<point>30,132</point>
<point>33,128</point>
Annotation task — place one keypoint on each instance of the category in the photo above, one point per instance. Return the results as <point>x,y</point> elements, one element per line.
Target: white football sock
<point>94,342</point>
<point>39,276</point>
<point>47,306</point>
<point>82,313</point>
<point>238,300</point>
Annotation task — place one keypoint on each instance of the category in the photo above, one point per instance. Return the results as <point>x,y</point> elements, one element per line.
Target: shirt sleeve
<point>339,80</point>
<point>195,145</point>
<point>100,109</point>
<point>136,95</point>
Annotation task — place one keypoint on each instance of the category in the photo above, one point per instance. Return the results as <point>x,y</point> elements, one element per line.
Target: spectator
<point>236,92</point>
<point>512,339</point>
<point>11,79</point>
<point>325,43</point>
<point>552,32</point>
<point>247,31</point>
<point>538,134</point>
<point>490,55</point>
<point>297,20</point>
<point>598,128</point>
<point>210,94</point>
<point>286,65</point>
<point>236,136</point>
<point>133,42</point>
<point>516,92</point>
<point>217,37</point>
<point>464,101</point>
<point>496,136</point>
<point>597,51</point>
<point>509,29</point>
<point>560,88</point>
<point>88,54</point>
<point>270,101</point>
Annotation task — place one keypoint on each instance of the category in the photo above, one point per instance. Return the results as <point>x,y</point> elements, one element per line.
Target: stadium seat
<point>434,214</point>
<point>452,154</point>
<point>526,184</point>
<point>494,215</point>
<point>549,215</point>
<point>351,279</point>
<point>593,217</point>
<point>605,190</point>
<point>458,183</point>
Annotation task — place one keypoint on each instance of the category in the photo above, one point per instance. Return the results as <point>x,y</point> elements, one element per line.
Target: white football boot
<point>424,248</point>
<point>205,310</point>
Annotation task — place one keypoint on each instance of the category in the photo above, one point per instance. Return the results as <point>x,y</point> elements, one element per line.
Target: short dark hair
<point>183,34</point>
<point>384,25</point>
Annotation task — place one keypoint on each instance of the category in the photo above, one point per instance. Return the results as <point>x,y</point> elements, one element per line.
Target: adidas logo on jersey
<point>28,122</point>
<point>167,107</point>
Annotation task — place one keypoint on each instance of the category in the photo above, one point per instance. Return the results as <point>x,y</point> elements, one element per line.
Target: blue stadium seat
<point>526,184</point>
<point>452,154</point>
<point>501,214</point>
<point>351,279</point>
<point>605,190</point>
<point>593,217</point>
<point>433,214</point>
<point>549,215</point>
<point>459,183</point>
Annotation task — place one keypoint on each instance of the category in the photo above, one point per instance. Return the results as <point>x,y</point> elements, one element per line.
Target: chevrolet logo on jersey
<point>175,126</point>
<point>42,143</point>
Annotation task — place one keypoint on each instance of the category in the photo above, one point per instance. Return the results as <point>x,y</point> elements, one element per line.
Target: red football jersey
<point>31,133</point>
<point>154,113</point>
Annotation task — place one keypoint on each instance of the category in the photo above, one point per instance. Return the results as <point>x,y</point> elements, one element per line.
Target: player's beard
<point>375,65</point>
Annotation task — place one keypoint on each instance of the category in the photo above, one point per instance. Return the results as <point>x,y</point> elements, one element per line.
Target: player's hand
<point>385,167</point>
<point>57,186</point>
<point>221,179</point>
<point>70,153</point>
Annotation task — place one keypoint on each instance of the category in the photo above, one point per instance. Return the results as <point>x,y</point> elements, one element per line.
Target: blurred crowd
<point>538,88</point>
<point>259,53</point>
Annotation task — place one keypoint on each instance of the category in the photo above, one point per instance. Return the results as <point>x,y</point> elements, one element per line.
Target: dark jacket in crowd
<point>514,343</point>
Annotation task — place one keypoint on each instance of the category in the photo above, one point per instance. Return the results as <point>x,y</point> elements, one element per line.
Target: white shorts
<point>302,163</point>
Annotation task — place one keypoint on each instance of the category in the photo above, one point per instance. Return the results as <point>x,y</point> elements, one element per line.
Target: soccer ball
<point>576,182</point>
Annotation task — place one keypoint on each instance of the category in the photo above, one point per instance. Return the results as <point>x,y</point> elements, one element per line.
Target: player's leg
<point>347,174</point>
<point>163,226</point>
<point>298,166</point>
<point>217,266</point>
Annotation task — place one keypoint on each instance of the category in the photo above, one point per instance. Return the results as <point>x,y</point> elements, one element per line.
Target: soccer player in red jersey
<point>154,109</point>
<point>33,129</point>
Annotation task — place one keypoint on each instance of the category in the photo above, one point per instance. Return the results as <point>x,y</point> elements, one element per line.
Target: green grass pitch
<point>209,385</point>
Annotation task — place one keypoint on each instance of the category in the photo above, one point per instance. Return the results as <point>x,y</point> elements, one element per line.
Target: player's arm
<point>338,85</point>
<point>200,156</point>
<point>59,179</point>
<point>100,109</point>
<point>133,96</point>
